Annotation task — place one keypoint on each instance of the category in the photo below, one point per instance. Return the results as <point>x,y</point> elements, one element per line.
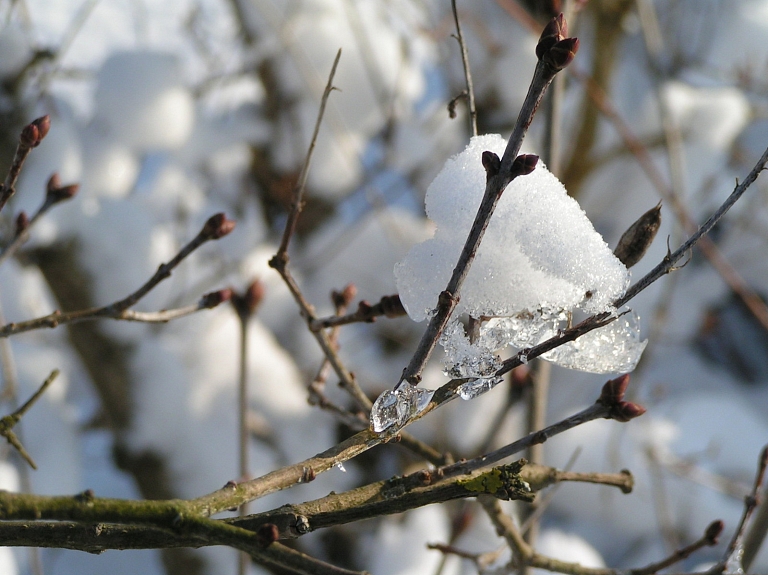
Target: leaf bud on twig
<point>392,306</point>
<point>254,295</point>
<point>56,193</point>
<point>217,227</point>
<point>247,303</point>
<point>33,133</point>
<point>713,532</point>
<point>524,164</point>
<point>22,223</point>
<point>612,397</point>
<point>491,163</point>
<point>561,54</point>
<point>613,391</point>
<point>343,298</point>
<point>555,30</point>
<point>638,237</point>
<point>212,299</point>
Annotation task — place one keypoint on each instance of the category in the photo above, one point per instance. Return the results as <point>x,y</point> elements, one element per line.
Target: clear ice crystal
<point>468,360</point>
<point>615,348</point>
<point>395,407</point>
<point>340,467</point>
<point>476,387</point>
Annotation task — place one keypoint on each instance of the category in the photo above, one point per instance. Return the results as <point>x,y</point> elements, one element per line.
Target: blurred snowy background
<point>167,112</point>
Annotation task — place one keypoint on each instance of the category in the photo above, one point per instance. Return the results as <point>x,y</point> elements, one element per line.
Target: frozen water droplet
<point>384,411</point>
<point>340,467</point>
<point>472,389</point>
<point>395,407</point>
<point>523,358</point>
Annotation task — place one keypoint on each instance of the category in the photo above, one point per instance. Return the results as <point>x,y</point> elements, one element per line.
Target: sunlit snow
<point>540,260</point>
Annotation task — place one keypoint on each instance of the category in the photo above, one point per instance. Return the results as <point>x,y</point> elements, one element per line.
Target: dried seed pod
<point>638,238</point>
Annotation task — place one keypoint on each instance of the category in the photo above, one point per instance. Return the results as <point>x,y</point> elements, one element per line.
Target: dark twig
<point>555,52</point>
<point>388,306</point>
<point>525,555</point>
<point>279,261</point>
<point>709,249</point>
<point>245,306</point>
<point>301,183</point>
<point>470,93</point>
<point>55,193</point>
<point>735,550</point>
<point>666,266</point>
<point>215,228</point>
<point>31,136</point>
<point>610,405</point>
<point>8,422</point>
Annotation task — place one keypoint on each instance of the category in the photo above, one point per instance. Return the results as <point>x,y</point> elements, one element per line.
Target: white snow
<point>156,112</point>
<point>540,257</point>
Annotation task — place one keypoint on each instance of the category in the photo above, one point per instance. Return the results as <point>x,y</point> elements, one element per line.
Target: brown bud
<point>555,30</point>
<point>254,295</point>
<point>247,303</point>
<point>54,182</point>
<point>491,163</point>
<point>214,298</point>
<point>625,410</point>
<point>43,124</point>
<point>56,193</point>
<point>613,391</point>
<point>29,137</point>
<point>713,532</point>
<point>342,299</point>
<point>365,310</point>
<point>22,223</point>
<point>561,54</point>
<point>217,227</point>
<point>524,164</point>
<point>33,133</point>
<point>267,534</point>
<point>392,306</point>
<point>638,237</point>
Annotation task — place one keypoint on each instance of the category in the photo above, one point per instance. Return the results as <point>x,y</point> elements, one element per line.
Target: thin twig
<point>216,227</point>
<point>525,555</point>
<point>388,306</point>
<point>301,183</point>
<point>55,194</point>
<point>709,249</point>
<point>500,174</point>
<point>735,548</point>
<point>467,72</point>
<point>8,422</point>
<point>280,260</point>
<point>595,411</point>
<point>31,136</point>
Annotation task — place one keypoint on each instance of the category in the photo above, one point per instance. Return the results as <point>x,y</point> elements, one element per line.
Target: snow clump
<point>540,261</point>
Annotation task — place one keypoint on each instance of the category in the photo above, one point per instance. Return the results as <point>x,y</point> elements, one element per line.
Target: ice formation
<point>395,407</point>
<point>540,261</point>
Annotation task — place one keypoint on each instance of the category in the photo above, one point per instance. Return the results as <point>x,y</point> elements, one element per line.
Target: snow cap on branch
<point>540,259</point>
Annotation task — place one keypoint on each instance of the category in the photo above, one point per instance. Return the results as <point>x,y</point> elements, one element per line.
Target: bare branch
<point>555,52</point>
<point>216,227</point>
<point>8,422</point>
<point>470,92</point>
